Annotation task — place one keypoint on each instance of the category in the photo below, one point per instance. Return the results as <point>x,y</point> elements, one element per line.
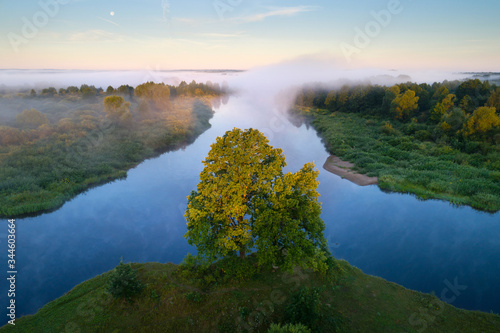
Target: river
<point>422,245</point>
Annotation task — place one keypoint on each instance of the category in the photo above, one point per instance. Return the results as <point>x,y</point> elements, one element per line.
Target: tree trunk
<point>242,248</point>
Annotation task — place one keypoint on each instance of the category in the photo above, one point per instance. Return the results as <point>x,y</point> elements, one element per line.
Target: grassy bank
<point>43,167</point>
<point>171,301</point>
<point>409,163</point>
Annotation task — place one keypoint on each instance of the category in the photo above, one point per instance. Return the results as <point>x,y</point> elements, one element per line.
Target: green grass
<point>171,302</point>
<point>44,171</point>
<point>406,164</point>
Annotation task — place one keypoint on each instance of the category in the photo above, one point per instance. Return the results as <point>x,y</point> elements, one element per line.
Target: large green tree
<point>482,121</point>
<point>117,110</point>
<point>404,104</point>
<point>245,203</point>
<point>494,100</point>
<point>442,108</point>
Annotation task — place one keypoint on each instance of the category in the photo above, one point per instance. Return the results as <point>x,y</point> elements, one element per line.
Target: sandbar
<point>343,169</point>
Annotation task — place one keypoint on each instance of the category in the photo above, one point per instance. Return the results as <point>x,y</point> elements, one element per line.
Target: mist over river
<point>422,245</point>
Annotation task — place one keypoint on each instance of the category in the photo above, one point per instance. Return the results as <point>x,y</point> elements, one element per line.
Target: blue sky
<point>241,34</point>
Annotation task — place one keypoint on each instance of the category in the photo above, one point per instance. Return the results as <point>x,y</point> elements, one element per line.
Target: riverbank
<point>170,302</point>
<point>406,163</point>
<point>344,169</point>
<point>50,165</point>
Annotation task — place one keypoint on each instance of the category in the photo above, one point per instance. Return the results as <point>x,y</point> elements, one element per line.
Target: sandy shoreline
<point>341,168</point>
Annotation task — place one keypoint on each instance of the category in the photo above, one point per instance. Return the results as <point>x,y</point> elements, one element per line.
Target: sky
<point>242,34</point>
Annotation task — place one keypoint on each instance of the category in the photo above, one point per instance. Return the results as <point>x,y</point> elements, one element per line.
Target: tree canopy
<point>404,104</point>
<point>442,108</point>
<point>494,100</point>
<point>482,120</point>
<point>245,203</point>
<point>157,93</point>
<point>116,109</point>
<point>31,118</point>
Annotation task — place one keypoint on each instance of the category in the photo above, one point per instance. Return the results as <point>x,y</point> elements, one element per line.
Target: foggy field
<point>63,144</point>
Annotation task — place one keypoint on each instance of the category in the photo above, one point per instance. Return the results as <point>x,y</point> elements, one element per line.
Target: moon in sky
<point>112,13</point>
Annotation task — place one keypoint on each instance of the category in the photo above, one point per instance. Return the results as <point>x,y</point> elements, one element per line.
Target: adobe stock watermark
<point>276,125</point>
<point>223,6</point>
<point>31,27</point>
<point>11,271</point>
<point>372,29</point>
<point>165,5</point>
<point>153,74</point>
<point>427,315</point>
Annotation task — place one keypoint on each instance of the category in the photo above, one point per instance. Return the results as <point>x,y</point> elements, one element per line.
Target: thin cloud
<point>219,35</point>
<point>109,21</point>
<point>217,46</point>
<point>94,36</point>
<point>478,41</point>
<point>188,41</point>
<point>185,20</point>
<point>288,11</point>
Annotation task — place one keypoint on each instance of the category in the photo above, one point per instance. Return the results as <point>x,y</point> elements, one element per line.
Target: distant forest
<point>453,112</point>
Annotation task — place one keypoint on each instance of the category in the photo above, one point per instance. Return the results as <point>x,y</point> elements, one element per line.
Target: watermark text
<point>11,271</point>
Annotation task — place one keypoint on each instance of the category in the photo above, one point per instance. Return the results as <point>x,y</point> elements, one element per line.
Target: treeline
<point>49,155</point>
<point>90,91</point>
<point>25,118</point>
<point>451,112</point>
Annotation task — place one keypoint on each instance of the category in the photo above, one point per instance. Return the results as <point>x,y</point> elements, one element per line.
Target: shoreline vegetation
<point>344,169</point>
<point>174,298</point>
<point>439,141</point>
<point>68,141</point>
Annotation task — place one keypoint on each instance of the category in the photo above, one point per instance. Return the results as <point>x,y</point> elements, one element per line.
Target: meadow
<point>57,145</point>
<point>229,297</point>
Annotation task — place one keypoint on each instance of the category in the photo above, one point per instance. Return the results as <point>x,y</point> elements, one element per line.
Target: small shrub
<point>209,279</point>
<point>190,262</point>
<point>123,282</point>
<point>288,328</point>
<point>238,269</point>
<point>486,199</point>
<point>423,135</point>
<point>370,122</point>
<point>244,312</point>
<point>334,271</point>
<point>304,307</point>
<point>411,127</point>
<point>388,129</point>
<point>193,296</point>
<point>397,154</point>
<point>445,150</point>
<point>472,147</point>
<point>154,295</point>
<point>364,161</point>
<point>225,326</point>
<point>191,268</point>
